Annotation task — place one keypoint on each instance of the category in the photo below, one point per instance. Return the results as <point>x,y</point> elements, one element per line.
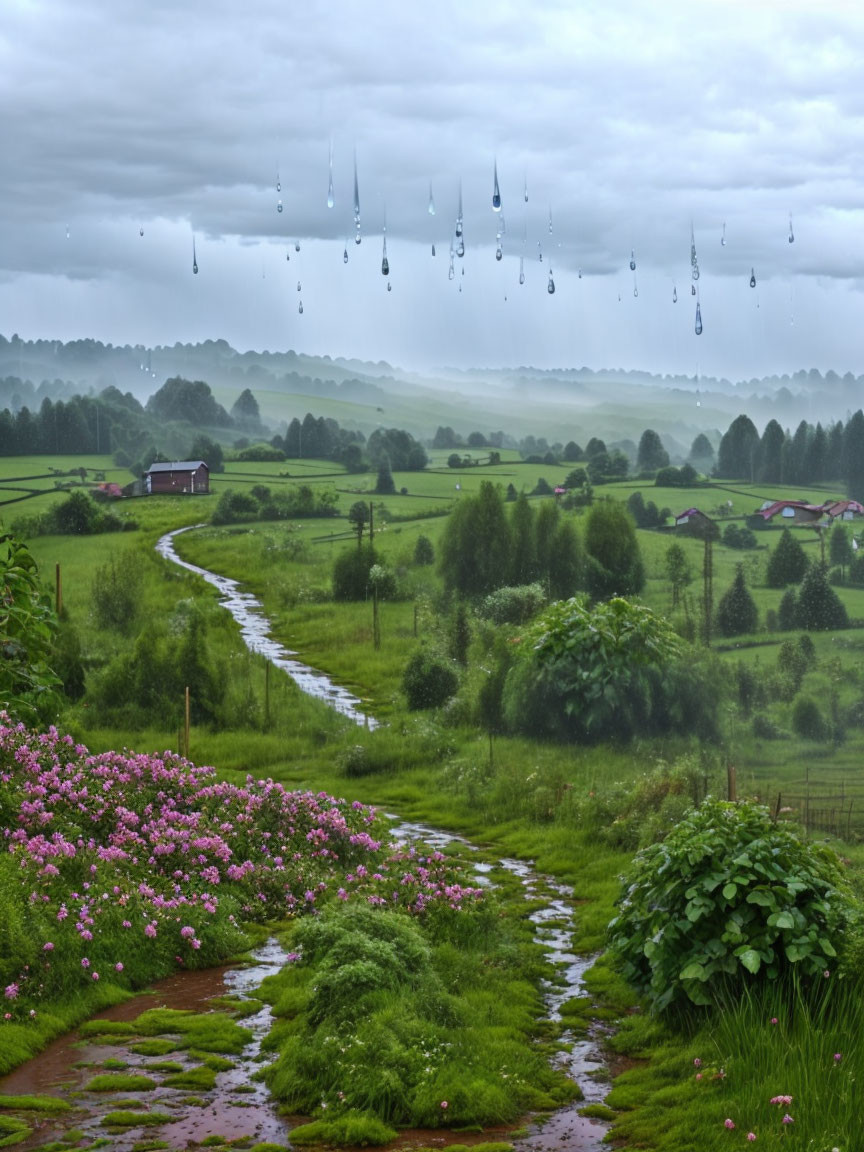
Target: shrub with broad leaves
<point>730,897</point>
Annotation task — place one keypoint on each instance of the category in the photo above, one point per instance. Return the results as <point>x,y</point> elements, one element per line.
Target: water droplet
<point>521,269</point>
<point>458,227</point>
<point>550,287</point>
<point>300,308</point>
<point>195,267</point>
<point>463,270</point>
<point>279,206</point>
<point>674,295</point>
<point>752,278</point>
<point>389,286</point>
<point>694,272</point>
<point>460,248</point>
<point>550,221</point>
<point>288,256</point>
<point>498,253</point>
<point>278,181</point>
<point>539,251</point>
<point>385,266</point>
<point>194,258</point>
<point>431,208</point>
<point>345,255</point>
<point>496,193</point>
<point>356,193</point>
<point>358,239</point>
<point>632,260</point>
<point>296,245</point>
<point>452,271</point>
<point>299,288</point>
<point>635,290</point>
<point>140,231</point>
<point>67,231</point>
<point>692,289</point>
<point>580,273</point>
<point>526,189</point>
<point>723,236</point>
<point>433,249</point>
<point>698,328</point>
<point>791,233</point>
<point>330,198</point>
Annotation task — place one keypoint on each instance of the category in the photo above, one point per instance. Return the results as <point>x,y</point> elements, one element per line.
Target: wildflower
<point>95,975</point>
<point>444,1105</point>
<point>787,1119</point>
<point>773,1019</point>
<point>118,967</point>
<point>838,1056</point>
<point>85,963</point>
<point>7,1015</point>
<point>784,1100</point>
<point>751,1136</point>
<point>11,992</point>
<point>727,1123</point>
<point>698,1075</point>
<point>48,946</point>
<point>697,1063</point>
<point>32,1013</point>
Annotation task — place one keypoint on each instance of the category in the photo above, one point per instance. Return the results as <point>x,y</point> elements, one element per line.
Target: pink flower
<point>698,1075</point>
<point>785,1100</point>
<point>11,992</point>
<point>751,1136</point>
<point>48,946</point>
<point>95,975</point>
<point>838,1056</point>
<point>444,1105</point>
<point>773,1019</point>
<point>85,963</point>
<point>827,973</point>
<point>727,1123</point>
<point>32,1013</point>
<point>697,1063</point>
<point>787,1119</point>
<point>118,967</point>
<point>150,930</point>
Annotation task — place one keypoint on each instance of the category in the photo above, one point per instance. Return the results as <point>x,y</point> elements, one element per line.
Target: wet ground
<point>238,1106</point>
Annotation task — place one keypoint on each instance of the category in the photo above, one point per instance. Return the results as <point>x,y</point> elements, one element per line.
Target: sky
<point>633,127</point>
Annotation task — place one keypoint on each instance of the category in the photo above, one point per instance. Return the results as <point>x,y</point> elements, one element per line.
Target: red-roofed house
<point>791,511</point>
<point>844,510</point>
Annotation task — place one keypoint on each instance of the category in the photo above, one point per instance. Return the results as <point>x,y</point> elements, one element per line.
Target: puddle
<point>235,1106</point>
<point>248,611</point>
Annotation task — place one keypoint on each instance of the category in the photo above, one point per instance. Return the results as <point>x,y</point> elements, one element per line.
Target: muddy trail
<point>192,1096</point>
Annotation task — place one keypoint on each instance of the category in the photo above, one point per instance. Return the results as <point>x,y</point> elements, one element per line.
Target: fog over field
<point>132,130</point>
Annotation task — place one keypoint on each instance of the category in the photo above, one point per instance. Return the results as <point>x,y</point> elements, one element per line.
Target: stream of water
<point>238,1105</point>
<point>255,630</point>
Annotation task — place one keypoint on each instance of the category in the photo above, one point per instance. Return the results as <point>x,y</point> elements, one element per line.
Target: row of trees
<point>810,455</point>
<point>483,548</point>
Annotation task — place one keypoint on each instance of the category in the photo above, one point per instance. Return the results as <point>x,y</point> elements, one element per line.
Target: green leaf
<point>761,897</point>
<point>826,946</point>
<point>782,920</point>
<point>692,971</point>
<point>730,891</point>
<point>751,960</point>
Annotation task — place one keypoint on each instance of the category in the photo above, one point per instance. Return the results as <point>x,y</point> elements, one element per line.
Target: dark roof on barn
<point>179,466</point>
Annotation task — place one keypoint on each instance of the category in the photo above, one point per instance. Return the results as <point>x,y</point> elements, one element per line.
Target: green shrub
<point>351,573</point>
<point>513,605</point>
<point>729,897</point>
<point>808,721</point>
<point>424,553</point>
<point>429,680</point>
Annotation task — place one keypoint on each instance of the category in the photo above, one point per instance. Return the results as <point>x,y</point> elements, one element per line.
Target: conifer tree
<point>819,606</point>
<point>737,612</point>
<point>787,563</point>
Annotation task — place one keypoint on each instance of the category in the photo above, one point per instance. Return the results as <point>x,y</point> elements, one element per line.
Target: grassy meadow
<point>578,811</point>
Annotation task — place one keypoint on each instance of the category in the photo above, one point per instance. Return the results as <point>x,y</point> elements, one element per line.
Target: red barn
<point>192,476</point>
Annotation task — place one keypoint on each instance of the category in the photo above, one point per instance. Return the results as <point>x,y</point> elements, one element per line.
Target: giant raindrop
<point>752,278</point>
<point>698,328</point>
<point>496,193</point>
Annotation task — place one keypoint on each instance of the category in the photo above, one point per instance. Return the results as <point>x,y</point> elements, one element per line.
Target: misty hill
<point>569,402</point>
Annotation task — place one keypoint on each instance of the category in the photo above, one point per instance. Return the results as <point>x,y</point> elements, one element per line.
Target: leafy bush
<point>429,680</point>
<point>351,573</point>
<point>424,553</point>
<point>735,536</point>
<point>513,605</point>
<point>728,896</point>
<point>808,721</point>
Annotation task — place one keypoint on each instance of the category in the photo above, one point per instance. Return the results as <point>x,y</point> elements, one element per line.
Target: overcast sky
<point>627,122</point>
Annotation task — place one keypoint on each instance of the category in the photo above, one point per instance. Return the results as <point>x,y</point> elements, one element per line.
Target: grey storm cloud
<point>629,122</point>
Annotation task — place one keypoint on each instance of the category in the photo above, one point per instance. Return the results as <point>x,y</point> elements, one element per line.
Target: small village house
<point>177,476</point>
